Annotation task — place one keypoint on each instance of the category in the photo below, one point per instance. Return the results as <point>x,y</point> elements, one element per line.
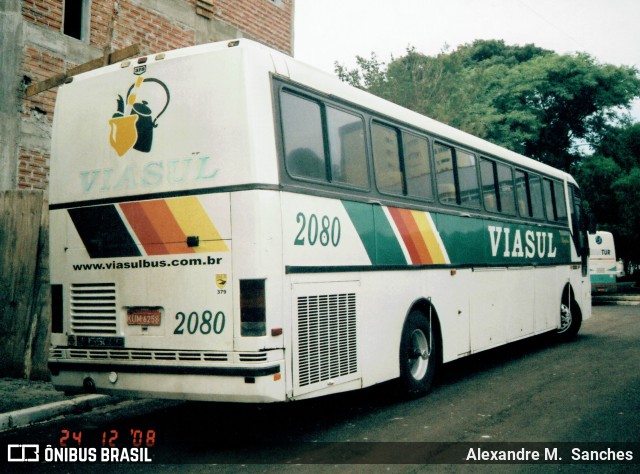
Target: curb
<point>27,416</point>
<point>624,300</point>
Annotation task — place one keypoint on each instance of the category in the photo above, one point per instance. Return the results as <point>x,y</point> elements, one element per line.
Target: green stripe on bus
<point>376,233</point>
<point>388,249</point>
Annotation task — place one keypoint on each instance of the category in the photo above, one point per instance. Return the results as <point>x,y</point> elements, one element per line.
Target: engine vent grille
<point>93,308</point>
<point>253,357</point>
<point>139,354</point>
<point>326,337</point>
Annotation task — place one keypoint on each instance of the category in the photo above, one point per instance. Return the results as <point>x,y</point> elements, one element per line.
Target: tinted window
<point>302,130</point>
<point>535,189</point>
<point>347,148</point>
<point>467,179</point>
<point>521,193</point>
<point>386,158</point>
<point>489,194</point>
<point>505,186</point>
<point>443,156</point>
<point>561,203</point>
<point>548,200</point>
<point>417,165</point>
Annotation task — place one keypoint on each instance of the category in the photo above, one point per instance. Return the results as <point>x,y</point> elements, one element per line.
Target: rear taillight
<point>252,308</point>
<point>56,308</point>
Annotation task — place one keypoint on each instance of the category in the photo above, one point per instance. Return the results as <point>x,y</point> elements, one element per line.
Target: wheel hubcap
<point>565,318</point>
<point>419,354</point>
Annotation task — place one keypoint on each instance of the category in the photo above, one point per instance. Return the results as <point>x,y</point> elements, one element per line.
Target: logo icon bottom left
<point>23,453</point>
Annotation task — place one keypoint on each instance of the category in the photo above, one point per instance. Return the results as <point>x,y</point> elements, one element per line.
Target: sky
<point>327,31</point>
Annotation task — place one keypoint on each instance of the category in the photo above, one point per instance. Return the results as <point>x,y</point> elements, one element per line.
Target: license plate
<point>96,341</point>
<point>143,317</point>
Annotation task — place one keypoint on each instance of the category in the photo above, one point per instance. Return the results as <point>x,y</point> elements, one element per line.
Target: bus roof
<point>258,62</point>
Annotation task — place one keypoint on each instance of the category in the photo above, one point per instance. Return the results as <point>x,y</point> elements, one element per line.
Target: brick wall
<point>260,19</point>
<point>155,25</point>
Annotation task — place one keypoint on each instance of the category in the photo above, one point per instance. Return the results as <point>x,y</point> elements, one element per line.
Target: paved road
<point>529,392</point>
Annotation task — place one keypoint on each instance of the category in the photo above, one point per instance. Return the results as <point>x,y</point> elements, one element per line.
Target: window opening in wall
<point>75,12</point>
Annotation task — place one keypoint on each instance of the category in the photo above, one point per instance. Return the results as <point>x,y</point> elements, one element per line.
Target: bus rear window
<point>303,142</point>
<point>314,134</point>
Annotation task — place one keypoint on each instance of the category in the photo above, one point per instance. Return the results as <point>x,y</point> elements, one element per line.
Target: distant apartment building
<point>45,39</point>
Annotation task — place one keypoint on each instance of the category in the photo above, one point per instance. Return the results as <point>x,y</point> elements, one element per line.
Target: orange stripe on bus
<point>402,229</point>
<point>143,228</point>
<point>423,256</point>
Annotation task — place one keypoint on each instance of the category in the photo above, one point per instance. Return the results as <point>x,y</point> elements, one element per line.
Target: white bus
<point>229,224</point>
<point>603,264</point>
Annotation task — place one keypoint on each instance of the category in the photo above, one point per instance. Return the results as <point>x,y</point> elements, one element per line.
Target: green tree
<point>627,229</point>
<point>597,176</point>
<point>610,181</point>
<point>622,143</point>
<point>528,99</point>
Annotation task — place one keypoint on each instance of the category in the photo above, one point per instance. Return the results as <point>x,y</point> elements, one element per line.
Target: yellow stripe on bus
<point>194,221</point>
<point>429,237</point>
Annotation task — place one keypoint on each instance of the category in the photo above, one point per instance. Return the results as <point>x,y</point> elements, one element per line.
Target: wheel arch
<point>570,315</point>
<point>427,308</point>
<point>569,298</point>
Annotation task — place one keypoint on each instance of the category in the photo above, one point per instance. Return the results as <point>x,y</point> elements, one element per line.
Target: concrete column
<point>10,86</point>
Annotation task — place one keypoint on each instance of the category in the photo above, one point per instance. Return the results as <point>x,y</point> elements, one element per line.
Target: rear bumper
<point>255,383</point>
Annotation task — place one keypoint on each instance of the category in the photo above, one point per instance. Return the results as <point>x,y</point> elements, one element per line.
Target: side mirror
<point>591,223</point>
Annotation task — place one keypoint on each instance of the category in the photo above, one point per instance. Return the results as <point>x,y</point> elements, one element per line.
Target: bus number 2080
<point>195,324</point>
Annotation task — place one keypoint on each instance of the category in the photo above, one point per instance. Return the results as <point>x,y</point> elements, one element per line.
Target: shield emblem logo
<point>123,133</point>
<point>221,280</point>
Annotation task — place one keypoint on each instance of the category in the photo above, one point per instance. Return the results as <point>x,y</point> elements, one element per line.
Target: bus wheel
<point>570,321</point>
<point>418,355</point>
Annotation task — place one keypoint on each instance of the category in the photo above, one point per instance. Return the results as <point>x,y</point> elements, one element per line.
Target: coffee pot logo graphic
<point>133,123</point>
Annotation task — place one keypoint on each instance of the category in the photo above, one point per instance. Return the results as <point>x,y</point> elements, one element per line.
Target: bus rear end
<point>603,265</point>
<point>151,161</point>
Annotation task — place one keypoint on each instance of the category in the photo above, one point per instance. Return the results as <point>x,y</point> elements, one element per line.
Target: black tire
<point>570,321</point>
<point>419,355</point>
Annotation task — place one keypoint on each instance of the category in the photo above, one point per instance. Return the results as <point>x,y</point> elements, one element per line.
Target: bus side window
<point>386,158</point>
<point>505,187</point>
<point>444,173</point>
<point>302,133</point>
<point>549,202</point>
<point>555,204</point>
<point>561,203</point>
<point>348,155</point>
<point>521,193</point>
<point>535,190</point>
<point>467,179</point>
<point>489,194</point>
<point>417,165</point>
